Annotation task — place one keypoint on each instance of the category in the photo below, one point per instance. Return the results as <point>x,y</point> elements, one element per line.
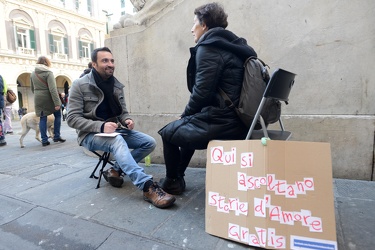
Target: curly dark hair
<point>212,15</point>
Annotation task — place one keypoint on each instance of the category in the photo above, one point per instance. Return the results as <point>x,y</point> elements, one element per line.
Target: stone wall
<point>330,45</point>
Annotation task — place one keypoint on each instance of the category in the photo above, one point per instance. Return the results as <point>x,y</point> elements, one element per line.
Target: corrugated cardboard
<point>277,196</point>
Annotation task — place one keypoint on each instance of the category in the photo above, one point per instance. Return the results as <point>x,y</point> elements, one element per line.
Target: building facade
<point>66,31</point>
<point>114,9</point>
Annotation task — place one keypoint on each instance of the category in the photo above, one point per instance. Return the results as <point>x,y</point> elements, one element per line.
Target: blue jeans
<point>56,124</point>
<point>119,146</point>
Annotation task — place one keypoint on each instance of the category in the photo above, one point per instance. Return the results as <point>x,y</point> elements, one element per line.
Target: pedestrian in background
<point>63,105</point>
<point>46,99</point>
<point>8,129</point>
<point>88,70</point>
<point>3,90</point>
<point>20,113</point>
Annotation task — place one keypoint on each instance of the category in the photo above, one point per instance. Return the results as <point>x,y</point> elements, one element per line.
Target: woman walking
<point>46,99</point>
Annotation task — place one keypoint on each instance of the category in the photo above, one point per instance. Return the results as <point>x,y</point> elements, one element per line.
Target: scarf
<point>109,108</point>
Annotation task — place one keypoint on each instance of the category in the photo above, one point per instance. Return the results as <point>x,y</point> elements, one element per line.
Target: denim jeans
<point>119,146</point>
<point>56,124</point>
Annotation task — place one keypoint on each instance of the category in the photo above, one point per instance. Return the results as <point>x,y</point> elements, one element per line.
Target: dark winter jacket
<point>216,61</point>
<point>85,72</point>
<point>2,93</point>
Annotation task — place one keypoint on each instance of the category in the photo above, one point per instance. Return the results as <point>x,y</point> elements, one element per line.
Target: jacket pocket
<point>90,103</point>
<point>88,98</point>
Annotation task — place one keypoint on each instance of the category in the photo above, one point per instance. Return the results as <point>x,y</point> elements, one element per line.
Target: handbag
<point>11,96</point>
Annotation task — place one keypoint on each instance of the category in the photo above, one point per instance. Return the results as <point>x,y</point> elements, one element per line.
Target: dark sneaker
<point>3,143</point>
<point>59,140</point>
<point>158,197</point>
<point>113,177</point>
<point>45,143</point>
<point>173,186</point>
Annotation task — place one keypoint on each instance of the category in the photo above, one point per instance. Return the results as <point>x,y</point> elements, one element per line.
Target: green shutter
<point>91,48</point>
<point>32,39</point>
<point>66,46</point>
<point>89,8</point>
<point>80,49</point>
<point>51,46</point>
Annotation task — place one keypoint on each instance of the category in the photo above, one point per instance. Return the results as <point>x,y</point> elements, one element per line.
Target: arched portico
<point>26,96</point>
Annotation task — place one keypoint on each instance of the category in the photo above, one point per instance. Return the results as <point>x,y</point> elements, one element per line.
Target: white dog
<point>30,120</point>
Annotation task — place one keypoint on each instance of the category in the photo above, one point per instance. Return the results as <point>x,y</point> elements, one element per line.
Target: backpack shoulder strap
<point>226,98</point>
<point>40,79</point>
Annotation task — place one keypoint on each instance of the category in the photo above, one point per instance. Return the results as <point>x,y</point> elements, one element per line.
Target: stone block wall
<point>330,45</point>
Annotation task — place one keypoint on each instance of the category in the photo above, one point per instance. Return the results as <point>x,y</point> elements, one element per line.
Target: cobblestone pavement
<point>48,201</point>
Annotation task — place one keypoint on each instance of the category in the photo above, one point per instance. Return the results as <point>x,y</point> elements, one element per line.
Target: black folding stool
<point>104,158</point>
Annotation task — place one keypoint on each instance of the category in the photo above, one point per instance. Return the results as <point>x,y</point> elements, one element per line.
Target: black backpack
<point>254,83</point>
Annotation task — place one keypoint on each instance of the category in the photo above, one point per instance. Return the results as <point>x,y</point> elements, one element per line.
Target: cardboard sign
<point>278,196</point>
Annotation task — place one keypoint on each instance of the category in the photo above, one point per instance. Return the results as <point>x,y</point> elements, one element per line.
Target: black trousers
<point>176,159</point>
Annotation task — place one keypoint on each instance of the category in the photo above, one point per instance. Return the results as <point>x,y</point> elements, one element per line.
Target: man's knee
<point>151,143</point>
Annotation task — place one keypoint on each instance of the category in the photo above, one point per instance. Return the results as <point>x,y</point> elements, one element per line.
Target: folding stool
<point>104,158</point>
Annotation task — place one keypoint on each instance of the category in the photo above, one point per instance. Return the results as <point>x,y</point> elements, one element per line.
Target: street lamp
<point>107,16</point>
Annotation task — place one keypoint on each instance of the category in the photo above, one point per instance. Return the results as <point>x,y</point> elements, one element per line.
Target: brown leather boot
<point>113,177</point>
<point>158,197</point>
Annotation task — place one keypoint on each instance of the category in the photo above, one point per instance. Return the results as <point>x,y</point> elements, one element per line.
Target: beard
<point>108,72</point>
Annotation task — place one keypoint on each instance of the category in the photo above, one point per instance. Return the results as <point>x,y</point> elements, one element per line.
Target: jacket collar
<point>92,81</point>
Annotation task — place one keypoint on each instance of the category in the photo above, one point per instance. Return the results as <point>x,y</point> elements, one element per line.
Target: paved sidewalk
<point>47,201</point>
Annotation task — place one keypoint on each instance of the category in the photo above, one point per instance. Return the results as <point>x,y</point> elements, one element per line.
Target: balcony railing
<point>59,56</point>
<point>26,51</point>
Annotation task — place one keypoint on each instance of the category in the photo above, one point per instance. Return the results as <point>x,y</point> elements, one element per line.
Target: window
<point>58,46</point>
<point>21,38</point>
<point>58,42</point>
<point>77,4</point>
<point>122,3</point>
<point>85,45</point>
<point>89,6</point>
<point>23,33</point>
<point>85,49</point>
<point>25,40</point>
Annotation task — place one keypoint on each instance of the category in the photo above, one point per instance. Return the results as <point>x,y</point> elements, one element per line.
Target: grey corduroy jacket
<point>84,99</point>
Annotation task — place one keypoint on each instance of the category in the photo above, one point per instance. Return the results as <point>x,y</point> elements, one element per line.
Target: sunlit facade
<point>114,9</point>
<point>66,31</point>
